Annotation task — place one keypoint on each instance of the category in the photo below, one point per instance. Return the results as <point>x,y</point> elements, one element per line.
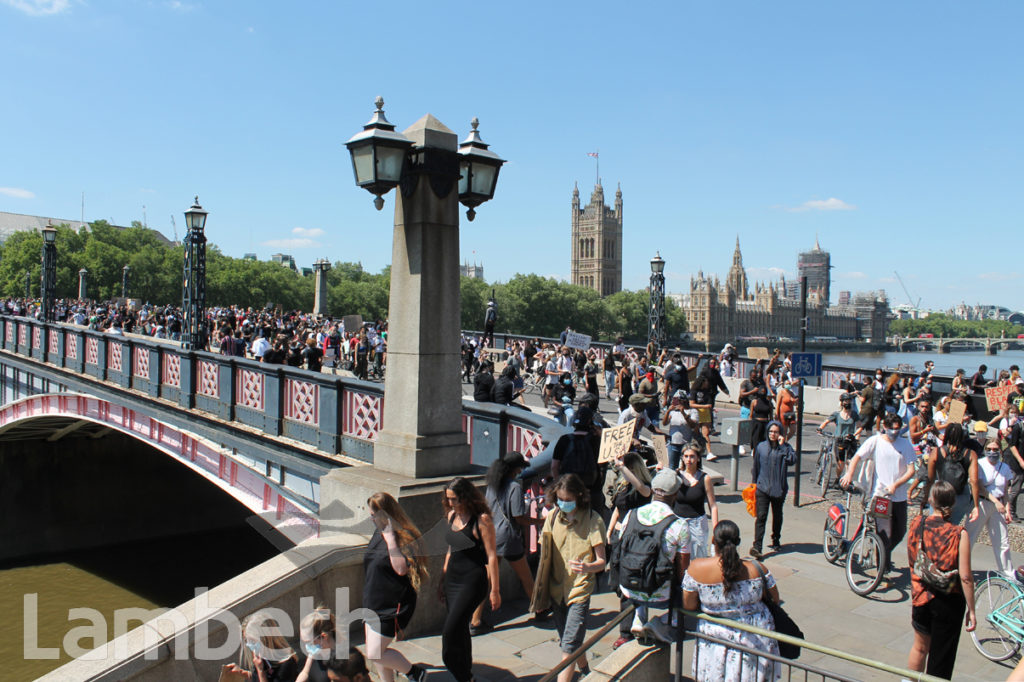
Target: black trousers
<point>758,433</point>
<point>1014,492</point>
<point>463,593</point>
<point>762,504</point>
<point>896,530</point>
<point>942,618</point>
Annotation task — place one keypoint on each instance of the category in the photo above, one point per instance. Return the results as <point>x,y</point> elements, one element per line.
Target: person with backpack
<point>576,453</point>
<point>651,554</point>
<point>632,490</point>
<point>956,463</point>
<point>572,554</point>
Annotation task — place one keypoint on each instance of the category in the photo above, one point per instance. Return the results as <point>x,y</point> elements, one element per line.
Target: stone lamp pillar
<point>320,269</point>
<point>83,276</point>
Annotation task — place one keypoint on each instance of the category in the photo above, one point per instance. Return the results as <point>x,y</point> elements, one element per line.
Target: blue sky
<point>892,131</point>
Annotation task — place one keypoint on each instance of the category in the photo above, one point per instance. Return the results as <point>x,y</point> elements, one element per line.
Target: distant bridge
<point>264,434</point>
<point>943,345</point>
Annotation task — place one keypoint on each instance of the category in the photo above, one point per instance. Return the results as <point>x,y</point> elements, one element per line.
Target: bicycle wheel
<point>826,473</point>
<point>865,564</point>
<point>832,540</point>
<point>1000,614</point>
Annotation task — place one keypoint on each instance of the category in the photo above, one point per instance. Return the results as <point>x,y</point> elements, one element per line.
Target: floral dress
<point>742,603</point>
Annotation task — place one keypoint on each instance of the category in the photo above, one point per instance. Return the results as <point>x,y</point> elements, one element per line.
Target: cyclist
<point>893,459</point>
<point>845,420</point>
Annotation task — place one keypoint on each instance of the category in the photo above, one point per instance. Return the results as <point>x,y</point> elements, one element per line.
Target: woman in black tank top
<point>694,494</point>
<point>470,572</point>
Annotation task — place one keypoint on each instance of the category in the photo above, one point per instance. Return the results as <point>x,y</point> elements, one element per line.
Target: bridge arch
<point>216,465</point>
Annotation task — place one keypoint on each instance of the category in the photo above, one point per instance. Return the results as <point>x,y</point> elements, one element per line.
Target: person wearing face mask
<point>893,459</point>
<point>572,554</point>
<point>785,409</point>
<point>318,635</point>
<point>994,477</point>
<point>772,458</point>
<point>956,462</point>
<point>394,571</point>
<point>265,654</point>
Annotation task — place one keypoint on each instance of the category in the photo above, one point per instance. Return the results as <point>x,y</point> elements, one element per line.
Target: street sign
<point>806,365</point>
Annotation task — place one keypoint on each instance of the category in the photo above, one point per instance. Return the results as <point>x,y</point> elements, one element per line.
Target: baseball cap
<point>666,482</point>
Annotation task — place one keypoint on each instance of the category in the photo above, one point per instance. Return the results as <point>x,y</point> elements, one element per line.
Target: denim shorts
<point>571,623</point>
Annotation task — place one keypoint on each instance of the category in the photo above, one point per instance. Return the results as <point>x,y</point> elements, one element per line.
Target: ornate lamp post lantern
<point>49,276</point>
<point>193,295</point>
<point>124,279</point>
<point>656,316</point>
<point>83,276</point>
<point>422,434</point>
<point>28,284</point>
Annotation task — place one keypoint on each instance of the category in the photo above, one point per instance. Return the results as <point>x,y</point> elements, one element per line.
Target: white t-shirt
<point>631,413</point>
<point>994,476</point>
<point>890,461</point>
<point>679,431</point>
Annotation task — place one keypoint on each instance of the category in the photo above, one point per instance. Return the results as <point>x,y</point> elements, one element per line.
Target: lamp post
<point>49,276</point>
<point>656,316</point>
<point>193,294</point>
<point>422,434</point>
<point>124,279</point>
<point>28,284</point>
<point>83,274</point>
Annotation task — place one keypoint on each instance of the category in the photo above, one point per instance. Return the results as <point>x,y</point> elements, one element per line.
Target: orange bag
<point>750,497</point>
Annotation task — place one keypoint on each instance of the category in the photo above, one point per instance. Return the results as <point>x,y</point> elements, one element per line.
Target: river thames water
<point>946,364</point>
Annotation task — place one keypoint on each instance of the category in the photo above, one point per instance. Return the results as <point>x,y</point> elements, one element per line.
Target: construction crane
<point>910,298</point>
<point>175,227</point>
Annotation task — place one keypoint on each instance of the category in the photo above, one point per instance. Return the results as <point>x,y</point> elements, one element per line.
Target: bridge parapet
<point>331,414</point>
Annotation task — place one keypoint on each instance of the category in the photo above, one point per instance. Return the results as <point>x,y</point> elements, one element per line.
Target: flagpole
<point>597,157</point>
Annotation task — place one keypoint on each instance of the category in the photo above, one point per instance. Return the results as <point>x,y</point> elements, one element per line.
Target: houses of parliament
<point>717,312</point>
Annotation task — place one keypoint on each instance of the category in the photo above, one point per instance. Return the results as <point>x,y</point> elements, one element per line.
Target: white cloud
<point>38,8</point>
<point>999,276</point>
<point>851,275</point>
<point>766,274</point>
<point>17,193</point>
<point>308,231</point>
<point>179,6</point>
<point>830,204</point>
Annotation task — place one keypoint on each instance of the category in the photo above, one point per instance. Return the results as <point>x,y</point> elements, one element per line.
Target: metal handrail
<point>590,642</point>
<point>810,646</point>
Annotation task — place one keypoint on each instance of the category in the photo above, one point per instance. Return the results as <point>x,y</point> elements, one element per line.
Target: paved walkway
<point>815,593</point>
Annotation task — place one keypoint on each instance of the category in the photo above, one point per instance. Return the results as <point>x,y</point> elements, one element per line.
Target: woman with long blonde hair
<point>394,571</point>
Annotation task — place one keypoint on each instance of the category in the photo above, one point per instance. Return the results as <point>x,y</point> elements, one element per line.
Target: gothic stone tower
<point>597,242</point>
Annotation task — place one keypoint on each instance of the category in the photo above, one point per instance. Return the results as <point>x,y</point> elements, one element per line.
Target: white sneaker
<point>711,457</point>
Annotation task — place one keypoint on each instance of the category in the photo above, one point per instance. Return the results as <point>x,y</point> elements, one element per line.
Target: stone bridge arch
<point>55,415</point>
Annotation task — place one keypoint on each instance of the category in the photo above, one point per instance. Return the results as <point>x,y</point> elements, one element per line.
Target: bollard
<point>735,432</point>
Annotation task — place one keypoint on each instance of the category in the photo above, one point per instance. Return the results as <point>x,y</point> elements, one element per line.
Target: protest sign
<point>577,340</point>
<point>661,449</point>
<point>757,353</point>
<point>615,441</point>
<point>957,409</point>
<point>995,398</point>
<point>352,323</point>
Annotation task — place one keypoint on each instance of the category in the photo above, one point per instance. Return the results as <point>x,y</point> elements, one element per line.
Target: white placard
<point>577,340</point>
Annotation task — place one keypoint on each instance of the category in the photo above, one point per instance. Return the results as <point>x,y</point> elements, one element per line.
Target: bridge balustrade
<point>329,413</point>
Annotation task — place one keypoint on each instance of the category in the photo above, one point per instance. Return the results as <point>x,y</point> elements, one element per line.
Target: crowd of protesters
<point>592,516</point>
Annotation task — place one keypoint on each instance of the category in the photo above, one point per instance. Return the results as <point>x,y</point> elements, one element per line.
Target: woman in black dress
<point>394,571</point>
<point>470,572</point>
<point>696,493</point>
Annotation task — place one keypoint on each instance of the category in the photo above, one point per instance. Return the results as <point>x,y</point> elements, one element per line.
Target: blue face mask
<point>312,648</point>
<point>253,646</point>
<point>567,507</point>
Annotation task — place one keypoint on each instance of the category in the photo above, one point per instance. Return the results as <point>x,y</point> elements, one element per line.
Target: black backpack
<point>578,458</point>
<point>953,470</point>
<point>641,565</point>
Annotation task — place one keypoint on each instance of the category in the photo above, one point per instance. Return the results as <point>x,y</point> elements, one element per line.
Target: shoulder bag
<point>930,575</point>
<point>784,623</point>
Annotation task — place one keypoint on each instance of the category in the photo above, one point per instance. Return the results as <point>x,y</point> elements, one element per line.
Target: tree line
<point>944,326</point>
<point>527,303</point>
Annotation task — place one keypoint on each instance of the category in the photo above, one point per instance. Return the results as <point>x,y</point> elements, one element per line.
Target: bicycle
<point>999,605</point>
<point>866,558</point>
<point>826,461</point>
